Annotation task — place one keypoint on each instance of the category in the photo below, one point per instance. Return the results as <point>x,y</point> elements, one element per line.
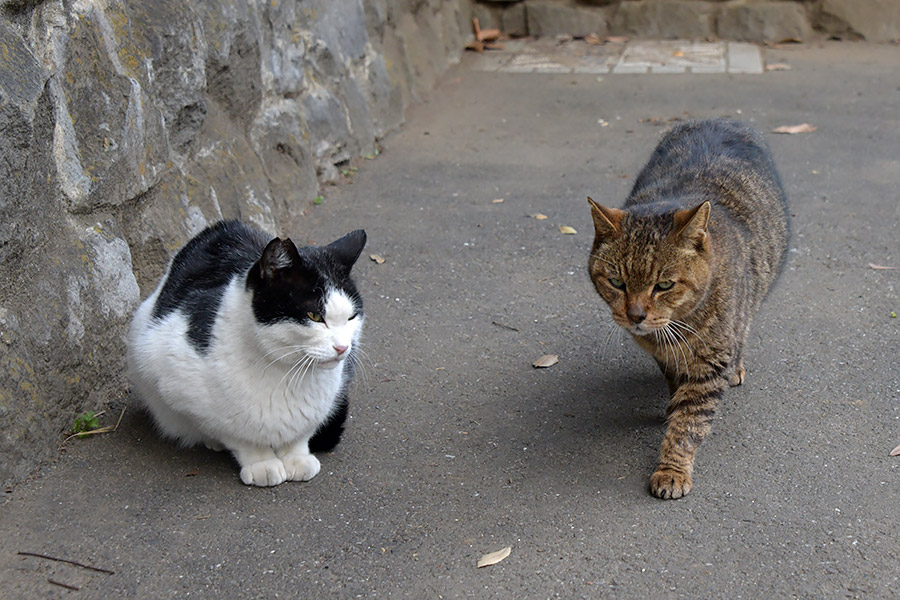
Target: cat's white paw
<point>264,473</point>
<point>301,467</point>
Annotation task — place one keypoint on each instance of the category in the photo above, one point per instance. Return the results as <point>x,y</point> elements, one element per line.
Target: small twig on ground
<point>68,562</point>
<point>504,326</point>
<point>65,585</point>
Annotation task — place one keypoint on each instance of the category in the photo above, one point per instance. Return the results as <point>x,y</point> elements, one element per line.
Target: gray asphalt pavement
<point>457,446</point>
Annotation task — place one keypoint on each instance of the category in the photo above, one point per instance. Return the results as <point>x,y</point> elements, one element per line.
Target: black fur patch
<point>202,269</point>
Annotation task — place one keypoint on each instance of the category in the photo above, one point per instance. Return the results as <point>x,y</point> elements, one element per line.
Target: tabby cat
<point>685,264</point>
<point>248,344</point>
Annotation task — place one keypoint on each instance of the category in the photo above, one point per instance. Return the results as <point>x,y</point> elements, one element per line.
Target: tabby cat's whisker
<point>681,342</point>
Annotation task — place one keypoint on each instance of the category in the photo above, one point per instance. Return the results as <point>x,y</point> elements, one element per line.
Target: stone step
<point>544,55</point>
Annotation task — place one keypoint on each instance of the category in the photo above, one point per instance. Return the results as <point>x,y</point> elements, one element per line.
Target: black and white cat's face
<point>305,302</point>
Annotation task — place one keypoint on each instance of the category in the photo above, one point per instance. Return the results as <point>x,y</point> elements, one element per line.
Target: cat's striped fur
<point>685,265</point>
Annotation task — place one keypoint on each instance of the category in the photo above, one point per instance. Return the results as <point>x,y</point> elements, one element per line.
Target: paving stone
<point>744,58</point>
<point>672,56</point>
<point>543,55</point>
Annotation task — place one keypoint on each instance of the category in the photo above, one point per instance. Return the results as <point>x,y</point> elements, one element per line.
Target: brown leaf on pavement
<point>778,67</point>
<point>377,258</point>
<point>567,230</point>
<point>895,451</point>
<point>881,267</point>
<point>792,129</point>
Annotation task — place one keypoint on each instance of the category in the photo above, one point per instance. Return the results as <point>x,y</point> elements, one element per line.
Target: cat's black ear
<point>348,248</point>
<point>693,223</point>
<point>279,255</point>
<point>606,220</point>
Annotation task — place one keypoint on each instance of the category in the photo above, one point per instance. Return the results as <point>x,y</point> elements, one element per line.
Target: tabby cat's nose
<point>636,314</point>
<point>340,349</point>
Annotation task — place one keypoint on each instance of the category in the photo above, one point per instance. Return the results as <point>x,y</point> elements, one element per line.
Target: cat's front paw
<point>736,378</point>
<point>670,485</point>
<point>264,473</point>
<point>301,467</point>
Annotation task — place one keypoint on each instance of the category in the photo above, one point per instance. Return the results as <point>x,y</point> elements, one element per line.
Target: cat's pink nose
<point>340,349</point>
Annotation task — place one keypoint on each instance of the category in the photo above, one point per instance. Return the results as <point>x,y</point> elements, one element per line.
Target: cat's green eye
<point>617,283</point>
<point>664,285</point>
<point>317,317</point>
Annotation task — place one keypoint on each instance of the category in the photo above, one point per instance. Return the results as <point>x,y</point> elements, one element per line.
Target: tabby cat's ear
<point>279,255</point>
<point>606,220</point>
<point>348,248</point>
<point>692,224</point>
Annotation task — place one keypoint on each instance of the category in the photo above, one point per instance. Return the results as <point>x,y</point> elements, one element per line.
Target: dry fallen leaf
<point>778,67</point>
<point>539,216</point>
<point>792,129</point>
<point>881,267</point>
<point>497,200</point>
<point>377,258</point>
<point>492,558</point>
<point>895,451</point>
<point>616,39</point>
<point>593,38</point>
<point>678,53</point>
<point>567,230</point>
<point>547,360</point>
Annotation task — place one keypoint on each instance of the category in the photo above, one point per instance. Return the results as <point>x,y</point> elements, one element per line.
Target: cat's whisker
<point>302,371</point>
<point>291,373</point>
<point>282,357</point>
<point>612,328</point>
<point>684,326</point>
<point>681,342</point>
<point>359,356</point>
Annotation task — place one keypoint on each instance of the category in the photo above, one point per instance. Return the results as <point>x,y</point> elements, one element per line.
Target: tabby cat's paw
<point>737,378</point>
<point>301,467</point>
<point>670,485</point>
<point>264,473</point>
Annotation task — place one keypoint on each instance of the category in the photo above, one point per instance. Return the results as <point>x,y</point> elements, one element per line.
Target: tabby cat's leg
<point>259,466</point>
<point>299,464</point>
<point>690,413</point>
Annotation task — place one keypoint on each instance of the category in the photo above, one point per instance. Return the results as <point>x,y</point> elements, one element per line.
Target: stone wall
<point>127,125</point>
<point>742,20</point>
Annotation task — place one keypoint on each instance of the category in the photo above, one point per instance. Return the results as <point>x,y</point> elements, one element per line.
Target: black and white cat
<point>249,343</point>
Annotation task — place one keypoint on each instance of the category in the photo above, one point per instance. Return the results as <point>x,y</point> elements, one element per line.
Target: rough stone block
<point>872,20</point>
<point>763,21</point>
<point>511,19</point>
<point>555,18</point>
<point>667,19</point>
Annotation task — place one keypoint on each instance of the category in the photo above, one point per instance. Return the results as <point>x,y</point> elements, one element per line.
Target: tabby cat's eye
<point>664,285</point>
<point>317,317</point>
<point>617,283</point>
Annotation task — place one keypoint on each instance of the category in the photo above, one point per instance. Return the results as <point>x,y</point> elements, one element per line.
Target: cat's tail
<point>329,433</point>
